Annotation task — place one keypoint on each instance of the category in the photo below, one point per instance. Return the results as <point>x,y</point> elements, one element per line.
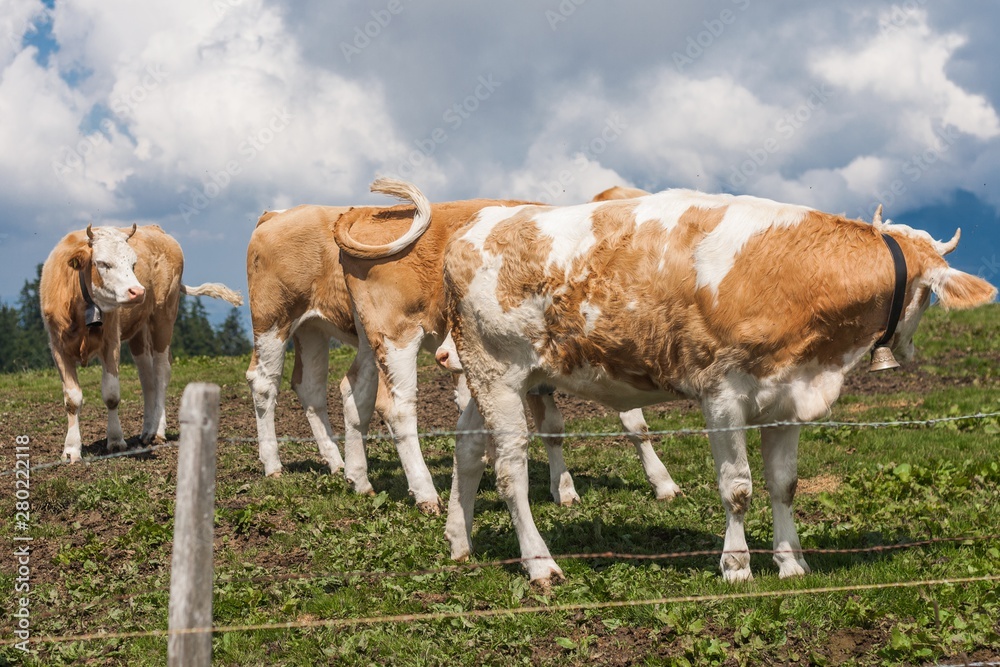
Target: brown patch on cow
<point>396,295</point>
<point>293,267</point>
<point>519,237</point>
<point>819,484</point>
<point>619,192</point>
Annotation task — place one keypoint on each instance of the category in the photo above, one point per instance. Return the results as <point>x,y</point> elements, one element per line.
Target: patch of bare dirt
<point>818,484</point>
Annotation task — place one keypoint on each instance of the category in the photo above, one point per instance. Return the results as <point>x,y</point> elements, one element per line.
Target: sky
<point>198,115</point>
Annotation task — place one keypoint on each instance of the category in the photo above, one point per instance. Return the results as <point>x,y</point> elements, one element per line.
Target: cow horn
<point>132,233</point>
<point>90,232</point>
<point>877,218</point>
<point>944,248</point>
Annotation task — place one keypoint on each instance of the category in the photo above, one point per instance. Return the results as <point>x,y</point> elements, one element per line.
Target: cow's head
<point>931,274</point>
<point>108,263</point>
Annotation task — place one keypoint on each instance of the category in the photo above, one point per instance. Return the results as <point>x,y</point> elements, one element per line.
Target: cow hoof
<point>364,487</point>
<point>71,457</point>
<point>117,446</point>
<point>431,507</point>
<point>274,475</point>
<point>668,492</point>
<point>737,576</point>
<point>566,498</point>
<point>793,568</point>
<point>543,585</point>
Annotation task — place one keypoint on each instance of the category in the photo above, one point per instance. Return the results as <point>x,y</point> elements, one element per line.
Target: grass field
<point>302,548</point>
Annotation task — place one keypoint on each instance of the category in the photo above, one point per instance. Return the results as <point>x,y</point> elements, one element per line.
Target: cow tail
<point>215,290</point>
<point>421,221</point>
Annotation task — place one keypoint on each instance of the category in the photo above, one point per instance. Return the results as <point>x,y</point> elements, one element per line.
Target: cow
<point>103,286</point>
<point>754,308</point>
<point>296,290</point>
<point>392,260</point>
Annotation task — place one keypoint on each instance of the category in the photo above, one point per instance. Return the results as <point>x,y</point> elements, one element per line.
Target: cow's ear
<point>959,290</point>
<point>79,257</point>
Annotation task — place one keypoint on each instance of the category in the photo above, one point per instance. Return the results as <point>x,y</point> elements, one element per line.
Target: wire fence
<point>517,611</point>
<point>541,609</point>
<point>667,433</point>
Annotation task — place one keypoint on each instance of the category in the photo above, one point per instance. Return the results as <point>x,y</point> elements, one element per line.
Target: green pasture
<point>361,558</point>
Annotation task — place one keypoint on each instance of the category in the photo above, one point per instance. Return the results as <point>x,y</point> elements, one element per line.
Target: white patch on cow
<point>745,218</point>
<point>114,259</point>
<point>632,305</point>
<point>161,367</point>
<point>309,316</point>
<point>571,230</point>
<point>804,393</point>
<point>486,220</point>
<point>401,367</point>
<point>590,313</point>
<point>594,383</point>
<point>667,207</point>
<point>264,381</point>
<point>74,397</point>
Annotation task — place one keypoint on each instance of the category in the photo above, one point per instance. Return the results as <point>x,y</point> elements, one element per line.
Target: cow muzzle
<point>136,295</point>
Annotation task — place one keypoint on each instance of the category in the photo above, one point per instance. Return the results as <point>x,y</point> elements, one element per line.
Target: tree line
<point>25,344</point>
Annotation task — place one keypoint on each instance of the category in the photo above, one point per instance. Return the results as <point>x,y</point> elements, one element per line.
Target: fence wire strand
<point>514,611</point>
<point>680,432</point>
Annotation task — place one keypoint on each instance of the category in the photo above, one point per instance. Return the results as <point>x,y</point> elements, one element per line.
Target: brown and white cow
<point>101,287</point>
<point>392,261</point>
<point>755,308</point>
<point>296,289</point>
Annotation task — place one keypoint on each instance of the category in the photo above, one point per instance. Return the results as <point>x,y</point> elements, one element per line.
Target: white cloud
<point>906,65</point>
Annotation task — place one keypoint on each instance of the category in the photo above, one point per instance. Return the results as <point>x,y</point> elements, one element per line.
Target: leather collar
<point>898,292</point>
<point>93,315</point>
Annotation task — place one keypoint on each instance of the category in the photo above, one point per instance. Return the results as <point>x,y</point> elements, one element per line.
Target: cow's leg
<point>359,390</point>
<point>471,453</point>
<point>312,355</point>
<point>73,400</point>
<point>398,370</point>
<point>160,336</point>
<point>462,393</point>
<point>161,366</point>
<point>503,412</point>
<point>729,449</point>
<point>264,378</point>
<point>779,447</point>
<point>142,354</point>
<point>111,393</point>
<point>657,474</point>
<point>548,419</point>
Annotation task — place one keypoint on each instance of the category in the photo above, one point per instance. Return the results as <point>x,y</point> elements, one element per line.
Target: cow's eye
<point>104,265</point>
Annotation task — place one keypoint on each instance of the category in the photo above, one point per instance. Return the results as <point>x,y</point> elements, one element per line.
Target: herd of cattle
<point>756,309</point>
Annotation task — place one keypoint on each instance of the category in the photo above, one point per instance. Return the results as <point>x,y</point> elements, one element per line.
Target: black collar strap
<point>898,292</point>
<point>93,315</point>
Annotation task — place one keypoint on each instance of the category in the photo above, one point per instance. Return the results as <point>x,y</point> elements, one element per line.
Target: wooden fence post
<point>191,563</point>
